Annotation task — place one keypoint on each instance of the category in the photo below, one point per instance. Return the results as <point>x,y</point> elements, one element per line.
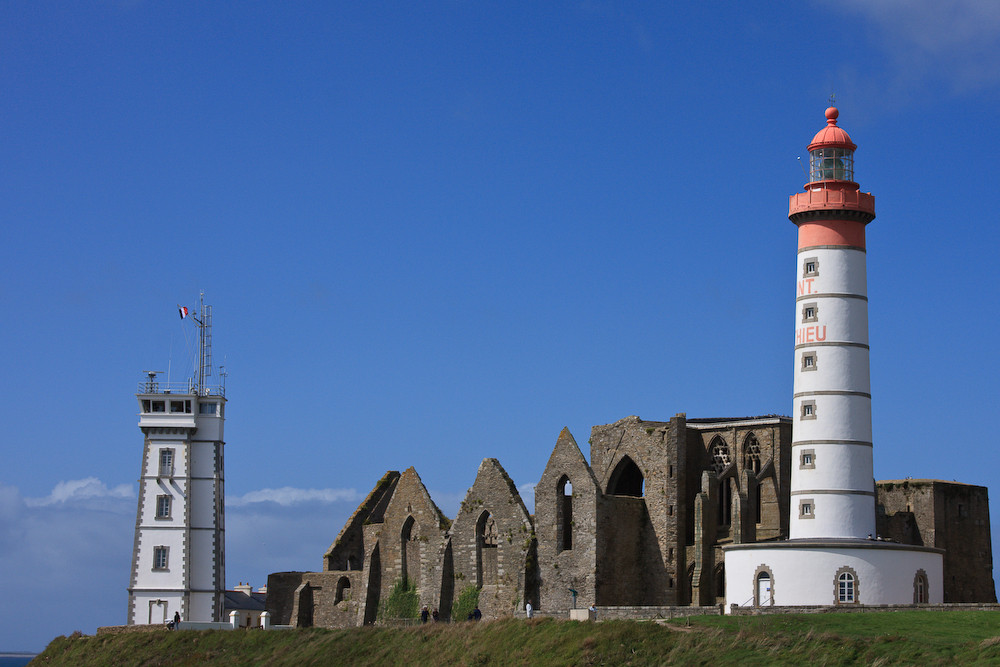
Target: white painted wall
<point>836,368</point>
<point>840,270</point>
<point>837,418</point>
<point>805,576</point>
<point>834,516</point>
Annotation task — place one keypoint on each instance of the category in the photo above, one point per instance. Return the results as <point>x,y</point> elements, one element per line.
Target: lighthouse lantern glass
<point>831,164</point>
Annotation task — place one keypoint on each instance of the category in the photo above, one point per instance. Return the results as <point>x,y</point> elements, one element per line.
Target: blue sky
<point>438,232</point>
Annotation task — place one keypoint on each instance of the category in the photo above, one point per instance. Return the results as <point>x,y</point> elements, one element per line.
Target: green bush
<point>468,600</point>
<point>403,602</point>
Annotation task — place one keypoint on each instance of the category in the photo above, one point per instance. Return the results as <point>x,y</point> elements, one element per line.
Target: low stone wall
<point>120,629</point>
<point>856,608</point>
<point>640,613</point>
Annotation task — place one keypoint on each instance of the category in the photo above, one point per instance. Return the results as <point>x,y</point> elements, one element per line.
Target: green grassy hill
<point>885,638</point>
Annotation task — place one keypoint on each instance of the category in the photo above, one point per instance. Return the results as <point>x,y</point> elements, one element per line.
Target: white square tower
<point>178,558</point>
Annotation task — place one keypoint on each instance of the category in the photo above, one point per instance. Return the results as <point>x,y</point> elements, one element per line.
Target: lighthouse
<point>178,556</point>
<point>832,484</point>
<point>832,555</point>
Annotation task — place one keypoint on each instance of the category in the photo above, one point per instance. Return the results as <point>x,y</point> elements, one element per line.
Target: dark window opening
<point>627,479</point>
<point>343,590</point>
<point>564,516</point>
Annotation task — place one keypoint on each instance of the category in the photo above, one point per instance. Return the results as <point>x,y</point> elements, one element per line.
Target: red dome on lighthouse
<point>832,136</point>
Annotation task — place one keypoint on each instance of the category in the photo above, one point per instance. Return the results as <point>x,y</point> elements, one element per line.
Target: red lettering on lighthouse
<point>813,334</point>
<point>806,286</point>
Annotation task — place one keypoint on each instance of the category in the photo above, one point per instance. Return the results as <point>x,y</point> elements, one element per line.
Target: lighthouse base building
<point>811,572</point>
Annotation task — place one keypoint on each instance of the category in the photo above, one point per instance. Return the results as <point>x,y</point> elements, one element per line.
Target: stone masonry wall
<point>652,447</point>
<point>411,530</point>
<point>491,538</point>
<point>561,569</point>
<point>948,515</point>
<point>348,551</point>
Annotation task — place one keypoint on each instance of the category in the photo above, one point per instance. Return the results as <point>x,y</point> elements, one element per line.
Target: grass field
<point>885,638</point>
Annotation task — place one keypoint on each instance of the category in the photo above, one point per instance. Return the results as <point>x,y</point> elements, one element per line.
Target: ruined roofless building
<point>642,525</point>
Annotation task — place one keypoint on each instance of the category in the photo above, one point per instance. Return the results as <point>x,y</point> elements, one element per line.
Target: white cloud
<point>75,490</point>
<point>956,41</point>
<point>288,495</point>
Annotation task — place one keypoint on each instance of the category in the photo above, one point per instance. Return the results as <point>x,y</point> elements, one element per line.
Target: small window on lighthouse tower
<point>809,361</point>
<point>809,312</point>
<point>810,267</point>
<point>808,410</point>
<point>807,459</point>
<point>806,509</point>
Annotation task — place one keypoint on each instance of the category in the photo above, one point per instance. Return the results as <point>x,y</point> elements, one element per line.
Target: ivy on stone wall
<point>468,600</point>
<point>402,602</point>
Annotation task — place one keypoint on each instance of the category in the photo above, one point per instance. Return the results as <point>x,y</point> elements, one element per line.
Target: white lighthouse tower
<point>832,486</point>
<point>178,558</point>
<point>832,556</point>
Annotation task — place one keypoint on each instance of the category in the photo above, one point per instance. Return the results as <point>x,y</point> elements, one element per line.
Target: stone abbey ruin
<point>638,529</point>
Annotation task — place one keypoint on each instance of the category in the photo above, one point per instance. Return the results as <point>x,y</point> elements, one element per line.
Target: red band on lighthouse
<point>847,233</point>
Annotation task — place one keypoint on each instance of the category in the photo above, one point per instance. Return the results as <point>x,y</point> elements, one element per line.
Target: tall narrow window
<point>726,501</point>
<point>564,514</point>
<point>166,462</point>
<point>751,454</point>
<point>160,557</point>
<point>486,550</point>
<point>920,588</point>
<point>846,589</point>
<point>409,552</point>
<point>163,507</point>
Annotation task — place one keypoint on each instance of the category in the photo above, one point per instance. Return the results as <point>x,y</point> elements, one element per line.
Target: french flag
<point>183,311</point>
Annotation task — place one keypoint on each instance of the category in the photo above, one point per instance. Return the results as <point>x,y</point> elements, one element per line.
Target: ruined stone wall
<point>411,531</point>
<point>561,568</point>
<point>281,588</point>
<point>348,551</point>
<point>631,569</point>
<point>491,539</point>
<point>652,448</point>
<point>947,515</point>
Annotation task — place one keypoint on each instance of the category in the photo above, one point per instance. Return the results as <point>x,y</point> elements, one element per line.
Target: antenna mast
<point>204,345</point>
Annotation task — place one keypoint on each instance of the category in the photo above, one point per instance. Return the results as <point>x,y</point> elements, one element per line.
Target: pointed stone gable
<point>411,530</point>
<point>567,498</point>
<point>491,539</point>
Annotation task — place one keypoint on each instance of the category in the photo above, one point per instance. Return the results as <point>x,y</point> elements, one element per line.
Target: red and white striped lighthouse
<point>833,556</point>
<point>832,484</point>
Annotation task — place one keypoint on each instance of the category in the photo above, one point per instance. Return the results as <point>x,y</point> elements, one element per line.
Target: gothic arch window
<point>845,586</point>
<point>921,588</point>
<point>486,550</point>
<point>627,479</point>
<point>751,454</point>
<point>409,551</point>
<point>564,514</point>
<point>720,455</point>
<point>343,590</point>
